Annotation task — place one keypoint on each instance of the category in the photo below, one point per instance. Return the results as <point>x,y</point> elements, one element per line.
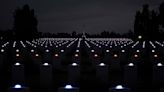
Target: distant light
<point>32,50</point>
<point>107,50</point>
<point>74,64</point>
<point>56,55</point>
<point>76,55</point>
<point>95,55</point>
<point>123,51</point>
<point>61,50</point>
<point>36,55</point>
<point>46,64</point>
<point>115,55</point>
<point>17,55</point>
<point>101,64</point>
<point>17,86</point>
<point>68,87</point>
<point>119,87</point>
<point>136,56</point>
<point>47,50</point>
<point>137,50</point>
<point>2,50</point>
<point>17,50</point>
<point>159,64</point>
<point>130,64</point>
<point>77,50</point>
<point>17,64</point>
<point>155,55</point>
<point>152,50</point>
<point>139,37</point>
<point>92,50</point>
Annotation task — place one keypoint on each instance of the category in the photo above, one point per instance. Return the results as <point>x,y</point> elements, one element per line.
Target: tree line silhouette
<point>148,23</point>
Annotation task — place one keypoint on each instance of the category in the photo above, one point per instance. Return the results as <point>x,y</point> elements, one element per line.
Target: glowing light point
<point>68,87</point>
<point>92,50</point>
<point>101,64</point>
<point>76,55</point>
<point>139,37</point>
<point>136,56</point>
<point>17,86</point>
<point>17,64</point>
<point>74,64</point>
<point>61,50</point>
<point>46,64</point>
<point>119,87</point>
<point>47,50</point>
<point>115,55</point>
<point>130,64</point>
<point>17,55</point>
<point>123,51</point>
<point>152,50</point>
<point>2,50</point>
<point>95,55</point>
<point>159,64</point>
<point>37,55</point>
<point>137,50</point>
<point>32,50</point>
<point>17,50</point>
<point>77,50</point>
<point>56,55</point>
<point>107,50</point>
<point>155,55</point>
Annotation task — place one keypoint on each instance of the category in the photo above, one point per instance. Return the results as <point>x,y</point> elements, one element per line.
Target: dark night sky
<point>90,16</point>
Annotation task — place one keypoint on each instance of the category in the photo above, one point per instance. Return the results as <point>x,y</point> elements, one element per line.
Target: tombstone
<point>46,77</point>
<point>74,73</point>
<point>124,56</point>
<point>18,75</point>
<point>68,88</point>
<point>136,58</point>
<point>36,59</point>
<point>115,71</point>
<point>154,58</point>
<point>115,63</point>
<point>3,57</point>
<point>47,56</point>
<point>130,75</point>
<point>158,74</point>
<point>119,88</point>
<point>161,89</point>
<point>94,59</point>
<point>18,88</point>
<point>107,57</point>
<point>56,61</point>
<point>102,73</point>
<point>76,58</point>
<point>18,57</point>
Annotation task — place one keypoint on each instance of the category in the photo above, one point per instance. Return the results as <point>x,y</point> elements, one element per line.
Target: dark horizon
<point>80,16</point>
